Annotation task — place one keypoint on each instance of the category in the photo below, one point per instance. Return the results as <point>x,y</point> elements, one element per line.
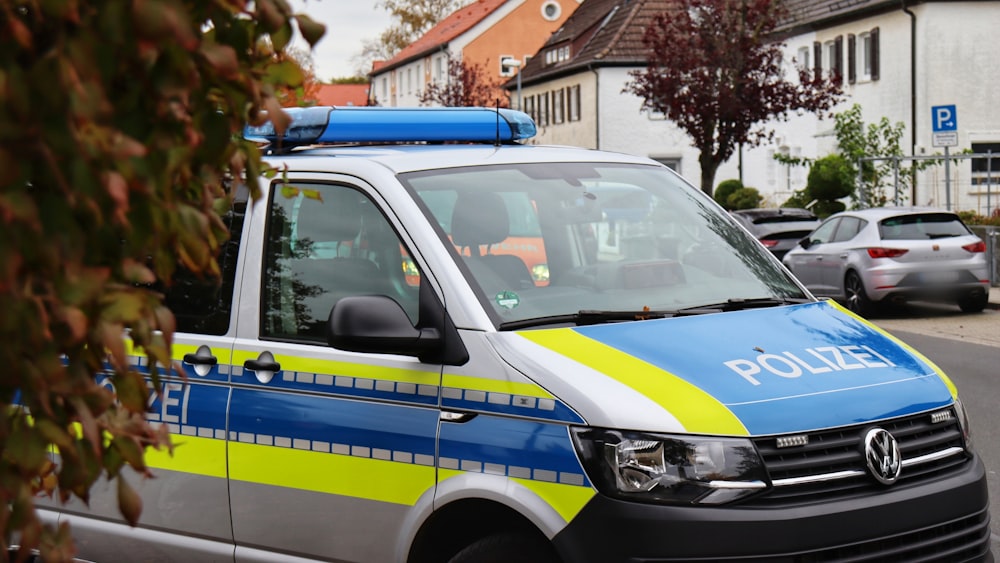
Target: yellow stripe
<point>691,406</point>
<point>372,479</point>
<point>567,500</point>
<point>944,377</point>
<point>201,456</point>
<point>330,367</point>
<point>495,385</point>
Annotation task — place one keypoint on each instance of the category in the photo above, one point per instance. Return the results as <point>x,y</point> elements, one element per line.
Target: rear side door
<point>185,512</point>
<point>330,451</point>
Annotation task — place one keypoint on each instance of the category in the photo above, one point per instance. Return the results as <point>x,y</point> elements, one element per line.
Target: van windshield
<point>550,240</point>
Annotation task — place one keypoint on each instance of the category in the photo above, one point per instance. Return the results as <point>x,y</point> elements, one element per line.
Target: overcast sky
<point>348,23</point>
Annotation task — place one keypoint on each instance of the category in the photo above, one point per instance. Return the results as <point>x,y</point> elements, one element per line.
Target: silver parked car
<point>887,254</point>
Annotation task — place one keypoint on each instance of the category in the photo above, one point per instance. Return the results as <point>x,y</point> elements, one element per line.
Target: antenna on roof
<point>497,103</point>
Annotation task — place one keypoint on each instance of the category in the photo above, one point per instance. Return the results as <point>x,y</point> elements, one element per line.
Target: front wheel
<point>857,299</point>
<point>508,547</point>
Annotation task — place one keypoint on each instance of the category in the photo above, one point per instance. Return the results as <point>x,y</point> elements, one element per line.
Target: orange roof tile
<point>342,95</point>
<point>457,23</point>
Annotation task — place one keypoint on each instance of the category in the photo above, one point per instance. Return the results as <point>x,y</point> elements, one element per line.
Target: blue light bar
<point>326,124</point>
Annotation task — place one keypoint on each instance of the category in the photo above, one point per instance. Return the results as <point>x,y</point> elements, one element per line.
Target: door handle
<point>262,365</point>
<point>198,359</point>
<point>202,361</point>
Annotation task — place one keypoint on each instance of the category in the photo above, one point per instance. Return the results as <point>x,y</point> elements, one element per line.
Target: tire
<point>507,548</point>
<point>973,302</point>
<point>857,299</point>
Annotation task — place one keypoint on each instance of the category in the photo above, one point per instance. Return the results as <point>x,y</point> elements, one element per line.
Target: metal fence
<point>991,235</point>
<point>956,182</point>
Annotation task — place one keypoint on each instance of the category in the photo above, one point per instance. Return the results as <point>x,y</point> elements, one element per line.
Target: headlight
<point>669,468</point>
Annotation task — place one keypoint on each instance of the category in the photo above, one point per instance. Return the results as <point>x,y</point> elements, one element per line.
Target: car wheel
<point>973,302</point>
<point>857,299</point>
<point>504,548</point>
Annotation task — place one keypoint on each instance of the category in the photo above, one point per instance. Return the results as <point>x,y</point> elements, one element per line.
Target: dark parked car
<point>778,229</point>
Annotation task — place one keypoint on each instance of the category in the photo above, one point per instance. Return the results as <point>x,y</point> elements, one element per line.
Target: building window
<point>868,54</point>
<point>439,70</point>
<point>551,10</point>
<point>671,162</point>
<point>385,88</point>
<point>573,102</point>
<point>986,169</point>
<point>802,59</point>
<point>558,106</point>
<point>409,80</point>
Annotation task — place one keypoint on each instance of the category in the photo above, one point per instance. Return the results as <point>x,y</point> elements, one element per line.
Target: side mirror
<point>805,242</point>
<point>377,324</point>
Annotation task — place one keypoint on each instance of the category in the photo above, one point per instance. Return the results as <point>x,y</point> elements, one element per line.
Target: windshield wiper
<point>739,304</point>
<point>594,316</point>
<point>587,317</point>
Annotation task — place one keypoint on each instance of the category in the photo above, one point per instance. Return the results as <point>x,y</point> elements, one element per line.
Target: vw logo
<point>882,456</point>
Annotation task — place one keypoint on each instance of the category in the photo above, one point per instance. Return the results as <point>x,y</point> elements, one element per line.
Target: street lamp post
<point>514,63</point>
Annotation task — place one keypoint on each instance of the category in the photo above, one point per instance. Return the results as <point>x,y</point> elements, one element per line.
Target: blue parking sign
<point>944,118</point>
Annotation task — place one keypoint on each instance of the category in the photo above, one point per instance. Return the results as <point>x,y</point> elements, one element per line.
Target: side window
<point>325,242</point>
<point>848,229</point>
<point>204,306</point>
<point>825,232</point>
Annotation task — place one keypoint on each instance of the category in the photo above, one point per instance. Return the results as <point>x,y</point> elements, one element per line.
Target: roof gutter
<point>913,94</point>
<point>597,105</point>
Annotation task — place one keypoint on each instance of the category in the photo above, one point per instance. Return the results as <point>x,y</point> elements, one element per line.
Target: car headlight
<point>670,468</point>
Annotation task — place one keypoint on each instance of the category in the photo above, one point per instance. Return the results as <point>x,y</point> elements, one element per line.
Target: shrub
<point>744,198</point>
<point>725,189</point>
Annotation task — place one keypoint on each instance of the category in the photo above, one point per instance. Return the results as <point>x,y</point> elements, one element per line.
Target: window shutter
<point>875,54</point>
<point>838,62</point>
<point>852,59</point>
<point>818,62</point>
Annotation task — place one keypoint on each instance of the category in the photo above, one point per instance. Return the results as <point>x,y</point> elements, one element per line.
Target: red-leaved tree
<point>715,69</point>
<point>467,85</point>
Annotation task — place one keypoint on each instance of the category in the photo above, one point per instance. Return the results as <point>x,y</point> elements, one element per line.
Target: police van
<point>435,342</point>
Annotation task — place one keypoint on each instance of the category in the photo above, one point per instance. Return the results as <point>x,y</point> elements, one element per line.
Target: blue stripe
<point>511,444</point>
<point>327,419</point>
<point>559,413</point>
<point>785,369</point>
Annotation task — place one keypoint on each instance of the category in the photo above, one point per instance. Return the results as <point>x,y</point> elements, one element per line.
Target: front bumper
<point>943,520</point>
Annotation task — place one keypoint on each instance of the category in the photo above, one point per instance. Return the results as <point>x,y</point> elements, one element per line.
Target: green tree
<point>830,180</point>
<point>726,189</point>
<point>857,140</point>
<point>120,139</point>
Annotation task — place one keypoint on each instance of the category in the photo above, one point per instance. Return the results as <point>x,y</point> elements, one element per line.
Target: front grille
<point>841,452</point>
<point>965,539</point>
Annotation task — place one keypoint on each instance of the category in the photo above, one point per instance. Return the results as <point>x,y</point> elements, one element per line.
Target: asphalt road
<point>967,348</point>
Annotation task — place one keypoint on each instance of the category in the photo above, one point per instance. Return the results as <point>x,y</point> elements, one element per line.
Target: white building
<point>898,60</point>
